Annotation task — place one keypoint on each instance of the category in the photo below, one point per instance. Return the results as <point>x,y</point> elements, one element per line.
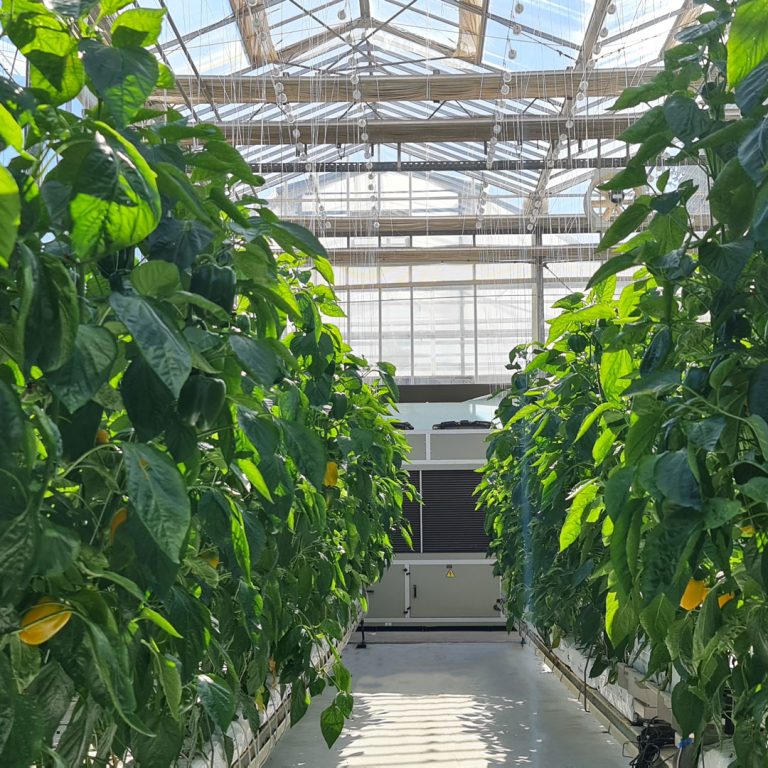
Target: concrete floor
<point>452,705</point>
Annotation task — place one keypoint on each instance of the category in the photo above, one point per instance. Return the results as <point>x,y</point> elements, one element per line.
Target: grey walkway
<point>453,705</point>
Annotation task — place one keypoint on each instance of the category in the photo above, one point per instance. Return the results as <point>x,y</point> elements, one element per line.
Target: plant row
<point>627,492</point>
<point>198,476</point>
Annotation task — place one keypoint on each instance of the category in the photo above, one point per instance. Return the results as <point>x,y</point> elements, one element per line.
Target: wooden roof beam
<point>254,29</point>
<point>553,84</point>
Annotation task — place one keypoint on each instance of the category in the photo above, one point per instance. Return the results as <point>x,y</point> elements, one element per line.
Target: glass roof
<point>399,128</point>
<point>228,43</point>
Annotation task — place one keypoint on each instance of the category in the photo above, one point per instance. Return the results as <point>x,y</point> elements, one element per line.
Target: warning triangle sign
<point>450,574</point>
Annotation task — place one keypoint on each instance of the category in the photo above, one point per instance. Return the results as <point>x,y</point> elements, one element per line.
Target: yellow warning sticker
<point>450,574</point>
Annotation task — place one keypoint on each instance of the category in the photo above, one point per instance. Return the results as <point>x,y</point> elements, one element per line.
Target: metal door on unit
<point>386,598</point>
<point>453,591</point>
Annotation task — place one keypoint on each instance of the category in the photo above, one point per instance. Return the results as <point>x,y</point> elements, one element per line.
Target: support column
<point>537,329</point>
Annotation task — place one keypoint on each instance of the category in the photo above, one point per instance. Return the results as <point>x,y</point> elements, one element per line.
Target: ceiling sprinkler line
<point>496,129</point>
<point>586,59</point>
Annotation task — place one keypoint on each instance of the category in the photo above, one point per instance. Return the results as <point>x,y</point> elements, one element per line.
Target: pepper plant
<point>198,476</point>
<point>631,473</point>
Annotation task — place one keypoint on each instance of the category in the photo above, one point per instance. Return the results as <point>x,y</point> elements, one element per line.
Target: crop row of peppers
<point>627,493</point>
<point>199,478</point>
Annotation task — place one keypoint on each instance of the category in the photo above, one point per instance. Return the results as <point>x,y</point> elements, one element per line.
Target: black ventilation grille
<point>412,511</point>
<point>451,523</point>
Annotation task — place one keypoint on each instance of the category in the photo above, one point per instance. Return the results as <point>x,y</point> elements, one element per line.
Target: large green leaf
<point>8,695</point>
<point>14,447</point>
<point>612,267</point>
<point>18,543</point>
<point>620,617</point>
<point>753,153</point>
<point>652,122</point>
<point>156,279</point>
<point>732,197</point>
<point>161,345</point>
<point>52,690</point>
<point>260,431</point>
<point>675,480</point>
<point>331,724</point>
<point>110,657</point>
<point>747,39</point>
<point>89,366</point>
<point>147,400</point>
<point>58,549</point>
<point>626,533</point>
<point>10,214</point>
<point>10,131</point>
<point>299,701</point>
<point>51,319</point>
<point>726,261</point>
<point>138,27</point>
<point>573,319</point>
<point>751,91</point>
<point>664,553</point>
<point>217,700</point>
<point>161,750</point>
<point>258,357</point>
<point>294,237</point>
<point>571,529</point>
<point>657,618</point>
<point>180,242</point>
<point>615,369</point>
<point>758,391</point>
<point>110,194</point>
<point>123,78</point>
<point>760,220</point>
<point>308,449</point>
<point>685,118</point>
<point>45,40</point>
<point>158,496</point>
<point>689,708</point>
<point>628,221</point>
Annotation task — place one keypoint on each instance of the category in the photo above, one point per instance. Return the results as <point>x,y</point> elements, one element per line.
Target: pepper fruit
<point>102,437</point>
<point>201,400</point>
<point>724,599</point>
<point>694,595</point>
<point>120,517</point>
<point>41,622</point>
<point>331,474</point>
<point>217,284</point>
<point>657,351</point>
<point>117,263</point>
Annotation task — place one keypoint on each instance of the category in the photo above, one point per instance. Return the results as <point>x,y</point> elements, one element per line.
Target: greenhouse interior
<point>383,383</point>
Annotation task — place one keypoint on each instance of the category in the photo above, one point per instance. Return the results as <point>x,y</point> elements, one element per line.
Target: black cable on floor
<point>654,736</point>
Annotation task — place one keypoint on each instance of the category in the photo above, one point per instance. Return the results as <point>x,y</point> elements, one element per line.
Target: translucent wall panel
<point>396,329</point>
<point>504,319</point>
<point>441,321</point>
<point>444,331</point>
<point>364,322</point>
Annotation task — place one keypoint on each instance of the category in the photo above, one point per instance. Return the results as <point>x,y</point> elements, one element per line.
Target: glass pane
<point>504,319</point>
<point>432,273</point>
<point>396,329</point>
<point>444,331</point>
<point>363,311</point>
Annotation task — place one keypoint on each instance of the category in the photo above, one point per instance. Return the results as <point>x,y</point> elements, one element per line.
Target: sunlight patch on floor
<point>392,730</point>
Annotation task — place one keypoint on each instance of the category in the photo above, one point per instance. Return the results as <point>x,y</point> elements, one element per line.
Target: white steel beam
<point>461,255</point>
<point>344,132</point>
